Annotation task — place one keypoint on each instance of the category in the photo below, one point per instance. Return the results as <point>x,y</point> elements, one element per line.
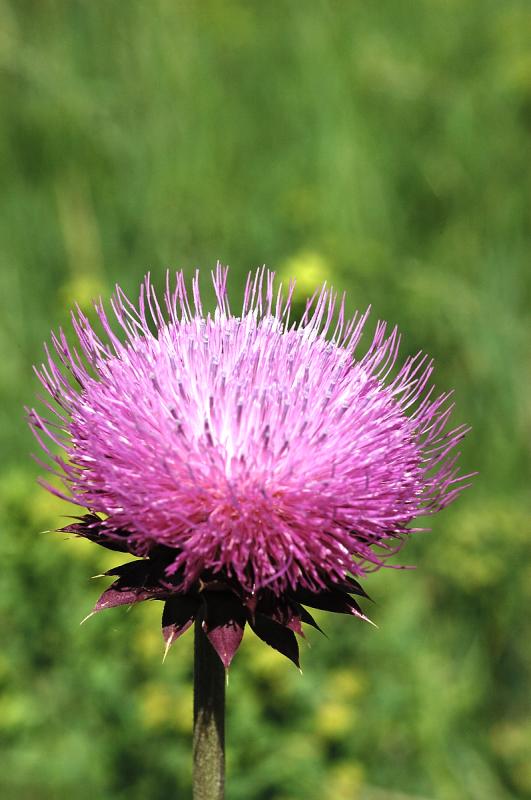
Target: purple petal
<point>277,636</point>
<point>334,462</point>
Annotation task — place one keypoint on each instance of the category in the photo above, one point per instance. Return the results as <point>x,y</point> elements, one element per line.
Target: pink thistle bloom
<point>254,465</point>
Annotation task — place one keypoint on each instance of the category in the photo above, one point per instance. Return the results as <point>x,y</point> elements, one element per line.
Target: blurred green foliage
<point>384,146</point>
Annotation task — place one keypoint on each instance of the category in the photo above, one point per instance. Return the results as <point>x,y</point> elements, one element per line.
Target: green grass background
<point>383,145</point>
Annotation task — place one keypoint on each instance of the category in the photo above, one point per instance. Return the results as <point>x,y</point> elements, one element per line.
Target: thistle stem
<point>209,720</point>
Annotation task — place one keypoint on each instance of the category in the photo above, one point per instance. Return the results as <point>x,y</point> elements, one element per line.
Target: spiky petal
<point>244,448</point>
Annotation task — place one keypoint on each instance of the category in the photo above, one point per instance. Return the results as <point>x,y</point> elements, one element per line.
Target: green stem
<point>209,720</point>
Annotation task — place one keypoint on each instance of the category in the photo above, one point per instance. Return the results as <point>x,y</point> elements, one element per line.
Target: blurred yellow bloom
<point>264,662</point>
<point>334,719</point>
<point>344,780</point>
<point>148,641</point>
<point>310,268</point>
<point>346,684</point>
<point>168,709</point>
<point>83,290</point>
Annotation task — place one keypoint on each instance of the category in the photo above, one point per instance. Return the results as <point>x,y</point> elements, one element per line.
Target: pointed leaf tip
<point>117,596</point>
<point>225,639</point>
<point>224,623</point>
<point>277,636</point>
<point>352,586</point>
<point>91,527</point>
<point>169,641</point>
<point>335,600</point>
<point>308,619</point>
<point>178,615</point>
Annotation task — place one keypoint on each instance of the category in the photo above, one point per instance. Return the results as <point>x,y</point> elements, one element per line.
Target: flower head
<point>253,464</point>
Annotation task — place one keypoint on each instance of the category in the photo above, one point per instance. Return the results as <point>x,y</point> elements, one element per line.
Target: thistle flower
<point>255,467</point>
